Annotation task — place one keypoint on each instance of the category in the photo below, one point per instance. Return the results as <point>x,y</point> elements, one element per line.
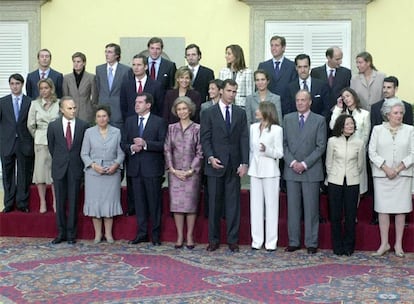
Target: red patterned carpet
<point>34,271</point>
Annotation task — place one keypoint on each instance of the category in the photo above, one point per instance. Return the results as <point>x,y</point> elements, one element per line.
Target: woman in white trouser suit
<point>266,148</point>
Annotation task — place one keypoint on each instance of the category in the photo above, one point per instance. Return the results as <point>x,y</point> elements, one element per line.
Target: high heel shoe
<point>380,252</point>
<point>190,246</point>
<point>399,254</point>
<point>178,246</point>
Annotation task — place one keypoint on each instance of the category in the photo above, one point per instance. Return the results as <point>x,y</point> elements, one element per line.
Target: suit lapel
<point>220,118</point>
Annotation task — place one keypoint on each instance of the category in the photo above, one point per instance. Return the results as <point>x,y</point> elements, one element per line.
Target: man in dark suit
<point>65,136</point>
<point>44,58</point>
<point>304,142</point>
<point>143,142</point>
<point>281,69</point>
<point>201,74</point>
<point>109,77</point>
<point>160,68</point>
<point>225,142</point>
<point>332,73</point>
<point>389,90</point>
<point>16,146</point>
<point>136,82</point>
<point>317,88</point>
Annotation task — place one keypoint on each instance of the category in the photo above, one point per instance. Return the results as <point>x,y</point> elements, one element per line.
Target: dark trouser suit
<point>224,192</point>
<point>343,199</point>
<point>17,191</point>
<point>67,188</point>
<point>148,200</point>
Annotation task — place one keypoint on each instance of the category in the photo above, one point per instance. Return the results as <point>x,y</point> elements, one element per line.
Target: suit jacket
<point>377,119</point>
<point>129,94</point>
<point>232,148</point>
<point>245,84</point>
<point>265,164</point>
<point>344,159</point>
<point>252,104</point>
<point>342,80</point>
<point>201,82</point>
<point>64,160</point>
<point>286,75</point>
<point>205,106</point>
<point>111,97</point>
<point>149,162</point>
<point>33,78</point>
<point>319,93</point>
<point>305,145</point>
<point>14,135</point>
<point>102,151</point>
<point>171,96</point>
<point>402,149</point>
<point>368,92</point>
<point>166,74</point>
<point>85,96</point>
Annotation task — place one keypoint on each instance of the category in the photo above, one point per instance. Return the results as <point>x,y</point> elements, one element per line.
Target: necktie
<point>301,121</point>
<point>141,126</point>
<point>277,68</point>
<point>331,78</point>
<point>43,74</point>
<point>16,107</point>
<point>228,121</point>
<point>68,136</point>
<point>305,86</point>
<point>152,71</point>
<point>192,71</point>
<point>139,87</point>
<point>110,77</point>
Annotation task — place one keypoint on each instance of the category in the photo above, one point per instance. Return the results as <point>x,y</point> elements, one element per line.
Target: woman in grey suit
<point>102,155</point>
<point>262,80</point>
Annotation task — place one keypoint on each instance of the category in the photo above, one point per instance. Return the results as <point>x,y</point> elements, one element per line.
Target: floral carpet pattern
<point>34,271</point>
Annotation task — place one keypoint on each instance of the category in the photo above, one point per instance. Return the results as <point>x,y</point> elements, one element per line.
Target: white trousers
<point>264,211</point>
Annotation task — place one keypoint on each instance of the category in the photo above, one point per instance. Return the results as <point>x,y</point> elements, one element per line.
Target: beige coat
<point>344,158</point>
<point>369,92</point>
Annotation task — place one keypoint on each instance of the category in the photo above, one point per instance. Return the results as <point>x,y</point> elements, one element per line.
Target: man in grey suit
<point>81,85</point>
<point>304,142</point>
<point>109,77</point>
<point>225,142</point>
<point>44,58</point>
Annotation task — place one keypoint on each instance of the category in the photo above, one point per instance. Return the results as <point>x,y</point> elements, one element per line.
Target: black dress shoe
<point>292,248</point>
<point>139,239</point>
<point>23,209</point>
<point>234,247</point>
<point>71,242</point>
<point>58,240</point>
<point>156,243</point>
<point>312,250</point>
<point>270,250</point>
<point>7,209</point>
<point>212,247</point>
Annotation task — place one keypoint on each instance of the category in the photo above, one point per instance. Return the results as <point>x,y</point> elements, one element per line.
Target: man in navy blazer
<point>332,73</point>
<point>317,88</point>
<point>201,75</point>
<point>137,81</point>
<point>143,143</point>
<point>64,137</point>
<point>109,77</point>
<point>160,68</point>
<point>16,146</point>
<point>225,141</point>
<point>44,58</point>
<point>281,69</point>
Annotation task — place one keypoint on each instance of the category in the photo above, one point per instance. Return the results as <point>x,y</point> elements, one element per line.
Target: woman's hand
<point>98,169</point>
<point>389,172</point>
<point>340,102</point>
<point>262,147</point>
<point>112,169</point>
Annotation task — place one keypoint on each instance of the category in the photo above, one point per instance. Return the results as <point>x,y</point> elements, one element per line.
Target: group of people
<point>272,124</point>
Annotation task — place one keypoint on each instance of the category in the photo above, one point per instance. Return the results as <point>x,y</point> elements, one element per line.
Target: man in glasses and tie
<point>332,73</point>
<point>317,88</point>
<point>16,146</point>
<point>143,143</point>
<point>304,143</point>
<point>44,58</point>
<point>109,78</point>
